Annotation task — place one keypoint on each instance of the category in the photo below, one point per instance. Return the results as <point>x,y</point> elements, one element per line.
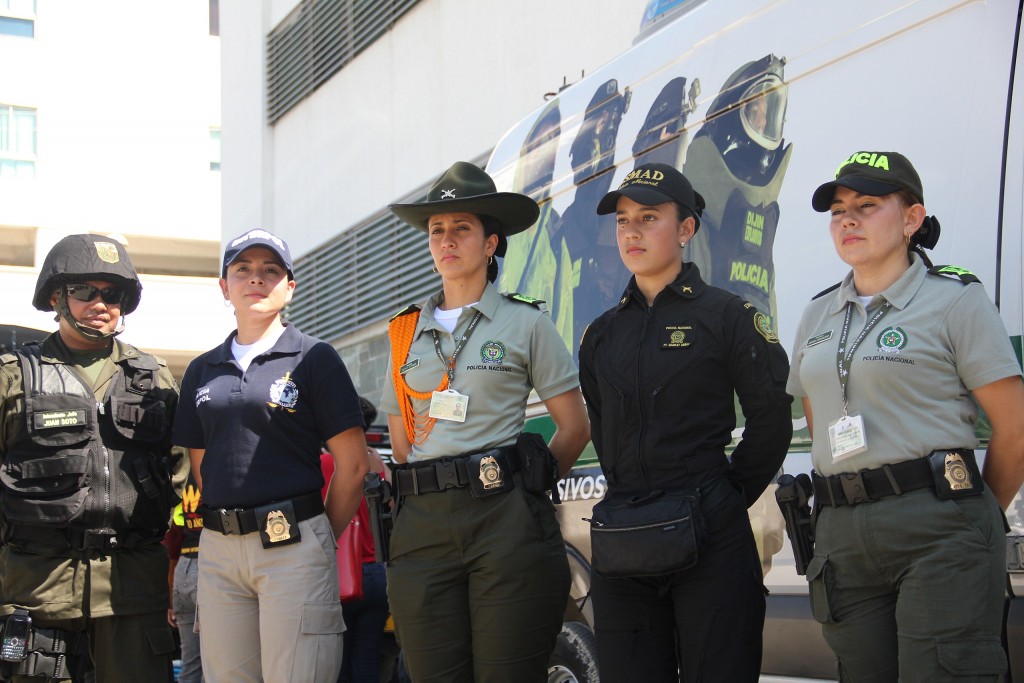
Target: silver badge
<point>490,473</point>
<point>278,528</point>
<point>957,474</point>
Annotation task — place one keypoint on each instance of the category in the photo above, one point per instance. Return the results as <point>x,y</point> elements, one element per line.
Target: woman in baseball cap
<point>891,365</point>
<point>255,412</point>
<point>659,372</point>
<point>478,578</point>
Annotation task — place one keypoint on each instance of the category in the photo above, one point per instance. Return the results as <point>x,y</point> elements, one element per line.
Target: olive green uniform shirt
<point>514,347</point>
<point>63,585</point>
<point>911,376</point>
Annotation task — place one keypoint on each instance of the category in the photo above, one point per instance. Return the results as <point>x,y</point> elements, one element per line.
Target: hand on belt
<point>243,520</point>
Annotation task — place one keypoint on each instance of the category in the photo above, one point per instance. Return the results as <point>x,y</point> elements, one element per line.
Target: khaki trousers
<point>270,615</point>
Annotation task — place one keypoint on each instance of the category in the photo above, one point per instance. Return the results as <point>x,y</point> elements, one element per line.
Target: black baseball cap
<point>653,184</point>
<point>872,173</point>
<point>257,238</point>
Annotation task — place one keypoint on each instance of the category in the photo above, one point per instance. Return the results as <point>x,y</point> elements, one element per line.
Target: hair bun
<point>927,235</point>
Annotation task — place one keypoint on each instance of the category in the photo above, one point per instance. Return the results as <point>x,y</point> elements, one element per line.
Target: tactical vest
<point>86,465</point>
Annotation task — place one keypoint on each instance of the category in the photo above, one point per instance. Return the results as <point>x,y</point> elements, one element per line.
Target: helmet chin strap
<point>63,311</point>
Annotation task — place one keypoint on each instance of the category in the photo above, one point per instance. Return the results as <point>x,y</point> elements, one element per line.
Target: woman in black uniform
<point>659,373</point>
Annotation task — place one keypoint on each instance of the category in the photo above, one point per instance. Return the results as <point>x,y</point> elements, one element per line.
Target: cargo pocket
<point>161,640</point>
<point>319,643</point>
<point>971,656</point>
<point>820,582</point>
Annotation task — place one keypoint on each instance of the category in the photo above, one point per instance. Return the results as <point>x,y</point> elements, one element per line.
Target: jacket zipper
<point>639,396</point>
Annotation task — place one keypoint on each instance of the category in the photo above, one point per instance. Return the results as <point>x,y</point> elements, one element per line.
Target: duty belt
<point>102,540</point>
<point>445,473</point>
<point>865,486</point>
<point>243,520</point>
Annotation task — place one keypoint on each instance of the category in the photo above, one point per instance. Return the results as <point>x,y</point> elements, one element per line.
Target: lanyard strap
<point>845,356</point>
<point>449,364</point>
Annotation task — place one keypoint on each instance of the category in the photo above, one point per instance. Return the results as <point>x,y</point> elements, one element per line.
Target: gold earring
<point>682,244</point>
<point>907,239</point>
<point>433,269</point>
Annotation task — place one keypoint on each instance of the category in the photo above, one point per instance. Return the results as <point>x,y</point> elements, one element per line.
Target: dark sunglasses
<point>110,295</point>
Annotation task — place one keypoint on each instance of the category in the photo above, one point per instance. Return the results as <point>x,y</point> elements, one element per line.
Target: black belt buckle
<point>853,488</point>
<point>229,521</point>
<point>99,539</point>
<point>447,475</point>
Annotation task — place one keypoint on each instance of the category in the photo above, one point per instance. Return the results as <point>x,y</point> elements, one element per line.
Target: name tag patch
<point>59,418</point>
<point>819,339</point>
<point>677,337</point>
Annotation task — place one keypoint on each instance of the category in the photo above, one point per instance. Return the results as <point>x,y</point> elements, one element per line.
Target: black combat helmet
<point>78,258</point>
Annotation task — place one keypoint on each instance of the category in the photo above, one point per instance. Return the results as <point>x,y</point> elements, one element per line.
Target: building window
<point>316,40</point>
<point>17,141</point>
<point>215,149</point>
<point>18,18</point>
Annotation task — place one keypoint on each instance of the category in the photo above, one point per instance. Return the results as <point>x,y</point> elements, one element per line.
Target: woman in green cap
<point>892,364</point>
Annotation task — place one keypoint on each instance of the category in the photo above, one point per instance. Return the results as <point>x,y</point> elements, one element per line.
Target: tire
<point>574,659</point>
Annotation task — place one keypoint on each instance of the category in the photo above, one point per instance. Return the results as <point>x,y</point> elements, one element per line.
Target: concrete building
<point>333,109</point>
<point>110,123</point>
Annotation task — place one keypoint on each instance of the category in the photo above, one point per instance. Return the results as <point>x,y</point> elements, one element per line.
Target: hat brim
<point>516,212</point>
<point>822,198</point>
<point>646,196</point>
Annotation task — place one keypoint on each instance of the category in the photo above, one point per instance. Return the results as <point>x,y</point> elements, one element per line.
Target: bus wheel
<point>575,657</point>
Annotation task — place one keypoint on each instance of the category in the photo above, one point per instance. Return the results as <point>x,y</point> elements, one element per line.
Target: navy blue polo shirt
<point>262,430</point>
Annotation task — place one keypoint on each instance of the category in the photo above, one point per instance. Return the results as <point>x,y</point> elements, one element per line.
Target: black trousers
<point>702,625</point>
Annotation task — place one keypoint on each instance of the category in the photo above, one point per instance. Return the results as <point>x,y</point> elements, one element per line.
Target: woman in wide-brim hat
<point>478,579</point>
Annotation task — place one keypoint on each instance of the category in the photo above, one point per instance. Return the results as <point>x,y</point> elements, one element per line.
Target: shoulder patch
<point>523,299</point>
<point>963,274</point>
<point>412,308</point>
<point>763,325</point>
<point>826,291</point>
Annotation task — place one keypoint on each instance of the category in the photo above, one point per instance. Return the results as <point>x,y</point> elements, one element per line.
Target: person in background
<point>478,578</point>
<point>892,364</point>
<point>182,542</point>
<point>256,411</point>
<point>660,372</point>
<point>89,480</point>
<point>365,618</point>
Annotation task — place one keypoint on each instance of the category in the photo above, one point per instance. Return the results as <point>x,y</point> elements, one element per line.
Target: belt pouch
<point>277,524</point>
<point>956,473</point>
<point>538,465</point>
<point>489,473</point>
<point>652,535</point>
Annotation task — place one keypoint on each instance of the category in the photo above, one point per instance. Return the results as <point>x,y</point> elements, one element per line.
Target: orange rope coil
<point>400,332</point>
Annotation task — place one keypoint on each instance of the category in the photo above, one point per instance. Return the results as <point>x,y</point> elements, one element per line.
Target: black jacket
<point>660,383</point>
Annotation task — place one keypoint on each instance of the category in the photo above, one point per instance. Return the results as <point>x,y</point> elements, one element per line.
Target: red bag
<point>350,563</point>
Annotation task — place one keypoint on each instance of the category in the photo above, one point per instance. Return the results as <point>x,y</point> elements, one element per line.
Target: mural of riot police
<point>738,160</point>
<point>591,238</point>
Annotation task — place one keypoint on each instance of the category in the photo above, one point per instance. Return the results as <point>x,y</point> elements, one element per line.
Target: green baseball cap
<point>872,173</point>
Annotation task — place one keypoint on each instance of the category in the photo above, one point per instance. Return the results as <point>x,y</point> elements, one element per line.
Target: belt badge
<point>490,473</point>
<point>957,474</point>
<point>278,528</point>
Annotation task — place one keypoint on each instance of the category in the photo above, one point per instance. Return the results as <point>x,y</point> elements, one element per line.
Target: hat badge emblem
<point>447,194</point>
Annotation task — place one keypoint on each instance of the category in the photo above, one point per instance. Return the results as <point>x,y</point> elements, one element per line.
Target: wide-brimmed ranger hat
<point>467,188</point>
<point>257,238</point>
<point>872,173</point>
<point>653,184</point>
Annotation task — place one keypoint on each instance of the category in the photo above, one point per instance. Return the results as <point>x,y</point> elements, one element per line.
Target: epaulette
<point>411,308</point>
<point>965,276</point>
<point>523,299</point>
<point>826,291</point>
<point>6,358</point>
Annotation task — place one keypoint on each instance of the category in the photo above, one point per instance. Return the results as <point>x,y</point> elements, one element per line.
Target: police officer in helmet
<point>88,478</point>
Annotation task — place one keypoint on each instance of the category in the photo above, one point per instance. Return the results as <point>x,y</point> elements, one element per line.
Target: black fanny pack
<point>652,535</point>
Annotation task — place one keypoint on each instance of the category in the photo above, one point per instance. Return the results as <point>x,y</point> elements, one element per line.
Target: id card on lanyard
<point>450,404</point>
<point>847,436</point>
